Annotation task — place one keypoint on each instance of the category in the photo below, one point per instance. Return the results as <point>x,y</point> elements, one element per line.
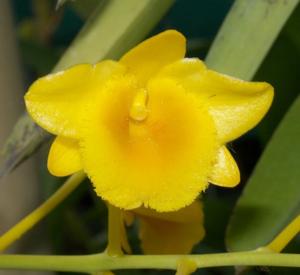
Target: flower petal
<point>172,232</point>
<point>162,162</point>
<point>64,157</point>
<point>226,172</point>
<point>57,101</point>
<point>235,105</point>
<point>154,53</point>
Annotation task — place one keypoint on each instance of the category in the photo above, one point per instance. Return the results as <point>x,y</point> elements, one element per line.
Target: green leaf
<point>272,196</point>
<point>281,68</point>
<point>109,33</point>
<point>247,34</point>
<point>26,138</point>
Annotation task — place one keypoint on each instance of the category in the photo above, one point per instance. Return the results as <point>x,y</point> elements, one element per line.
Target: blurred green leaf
<point>272,196</point>
<point>281,69</point>
<point>247,34</point>
<point>27,137</point>
<point>86,7</point>
<point>293,28</point>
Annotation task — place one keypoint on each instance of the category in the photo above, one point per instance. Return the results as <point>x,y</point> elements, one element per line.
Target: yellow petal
<point>226,172</point>
<point>172,232</point>
<point>57,102</point>
<point>235,105</point>
<point>64,158</point>
<point>162,162</point>
<point>152,54</point>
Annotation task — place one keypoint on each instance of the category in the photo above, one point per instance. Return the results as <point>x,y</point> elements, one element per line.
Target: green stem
<point>114,231</point>
<point>285,236</point>
<point>34,217</point>
<point>98,262</point>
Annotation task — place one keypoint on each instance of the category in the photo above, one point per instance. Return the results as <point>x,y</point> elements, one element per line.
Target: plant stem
<point>247,34</point>
<point>114,231</point>
<point>285,236</point>
<point>34,217</point>
<point>98,262</point>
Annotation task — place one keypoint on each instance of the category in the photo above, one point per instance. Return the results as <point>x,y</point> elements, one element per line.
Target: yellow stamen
<point>138,110</point>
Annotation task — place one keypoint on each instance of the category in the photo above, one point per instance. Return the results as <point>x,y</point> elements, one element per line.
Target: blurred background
<point>33,36</point>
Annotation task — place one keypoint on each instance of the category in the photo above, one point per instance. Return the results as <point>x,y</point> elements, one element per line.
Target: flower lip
<point>157,160</point>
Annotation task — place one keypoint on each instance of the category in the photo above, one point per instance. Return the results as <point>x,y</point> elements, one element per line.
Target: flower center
<point>138,110</point>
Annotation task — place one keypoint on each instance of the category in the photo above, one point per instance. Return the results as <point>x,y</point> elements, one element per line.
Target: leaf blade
<point>240,47</point>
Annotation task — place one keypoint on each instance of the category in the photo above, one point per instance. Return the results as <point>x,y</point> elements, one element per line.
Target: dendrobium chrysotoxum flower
<point>151,129</point>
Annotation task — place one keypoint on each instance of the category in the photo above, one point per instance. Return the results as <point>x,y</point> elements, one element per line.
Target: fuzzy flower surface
<point>150,129</point>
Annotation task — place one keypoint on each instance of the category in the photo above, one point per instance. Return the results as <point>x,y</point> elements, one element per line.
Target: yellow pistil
<point>138,110</point>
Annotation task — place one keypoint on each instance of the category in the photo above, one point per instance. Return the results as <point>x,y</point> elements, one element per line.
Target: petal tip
<point>64,158</point>
<point>174,33</point>
<point>226,172</point>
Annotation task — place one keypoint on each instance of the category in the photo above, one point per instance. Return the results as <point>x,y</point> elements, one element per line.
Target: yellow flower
<point>168,232</point>
<point>149,130</point>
